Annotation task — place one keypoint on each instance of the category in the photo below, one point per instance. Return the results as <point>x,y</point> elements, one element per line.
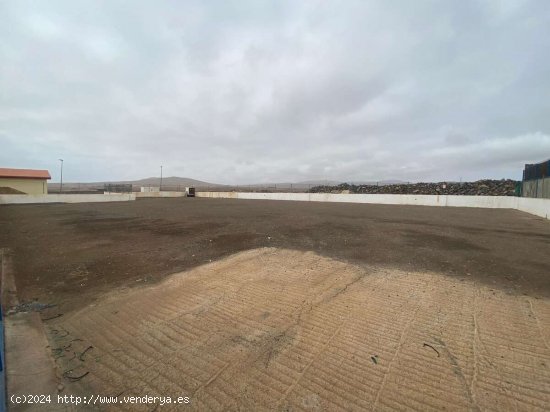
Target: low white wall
<point>538,207</point>
<point>60,198</point>
<point>148,189</point>
<point>490,202</point>
<point>159,194</point>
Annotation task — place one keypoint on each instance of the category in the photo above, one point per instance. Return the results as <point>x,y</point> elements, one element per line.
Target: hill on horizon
<point>353,182</point>
<point>171,181</point>
<point>319,182</point>
<point>186,181</point>
<point>148,181</point>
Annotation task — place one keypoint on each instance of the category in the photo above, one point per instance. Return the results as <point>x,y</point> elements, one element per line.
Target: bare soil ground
<point>279,329</point>
<point>330,309</point>
<point>70,254</point>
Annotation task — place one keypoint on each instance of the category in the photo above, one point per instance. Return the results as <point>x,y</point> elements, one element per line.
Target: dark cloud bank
<point>242,92</point>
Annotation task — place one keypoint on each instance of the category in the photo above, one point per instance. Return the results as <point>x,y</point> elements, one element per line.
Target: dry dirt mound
<point>287,330</point>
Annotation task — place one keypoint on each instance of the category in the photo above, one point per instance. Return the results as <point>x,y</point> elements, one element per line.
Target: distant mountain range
<point>170,181</point>
<point>173,181</point>
<point>148,181</point>
<point>354,182</point>
<point>311,183</point>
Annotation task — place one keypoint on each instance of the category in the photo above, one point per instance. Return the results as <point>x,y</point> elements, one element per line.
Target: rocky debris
<point>504,187</point>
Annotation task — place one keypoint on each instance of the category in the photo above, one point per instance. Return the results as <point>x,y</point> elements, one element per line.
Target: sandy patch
<point>280,329</point>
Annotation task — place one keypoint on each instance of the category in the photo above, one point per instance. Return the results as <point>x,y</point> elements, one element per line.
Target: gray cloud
<point>240,92</point>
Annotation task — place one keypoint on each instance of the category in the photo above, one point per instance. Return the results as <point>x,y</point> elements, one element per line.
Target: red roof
<point>25,173</point>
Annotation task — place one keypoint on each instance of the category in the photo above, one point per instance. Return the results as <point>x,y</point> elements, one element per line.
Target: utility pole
<point>160,188</point>
<point>61,184</point>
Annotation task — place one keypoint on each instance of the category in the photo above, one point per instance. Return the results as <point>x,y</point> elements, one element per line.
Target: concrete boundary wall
<point>538,207</point>
<point>159,194</point>
<point>60,198</point>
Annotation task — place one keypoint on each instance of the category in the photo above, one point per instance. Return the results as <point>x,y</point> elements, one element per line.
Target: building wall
<point>537,188</point>
<point>28,186</point>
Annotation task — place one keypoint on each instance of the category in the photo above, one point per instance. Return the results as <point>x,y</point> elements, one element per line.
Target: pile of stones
<point>504,187</point>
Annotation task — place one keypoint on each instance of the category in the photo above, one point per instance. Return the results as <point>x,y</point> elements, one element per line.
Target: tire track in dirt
<point>278,329</point>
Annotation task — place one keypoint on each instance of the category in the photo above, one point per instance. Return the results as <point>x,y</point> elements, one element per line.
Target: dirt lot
<point>70,254</point>
<point>286,330</point>
<point>330,309</point>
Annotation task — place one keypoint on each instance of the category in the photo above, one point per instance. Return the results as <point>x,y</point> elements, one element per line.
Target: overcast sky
<point>257,91</point>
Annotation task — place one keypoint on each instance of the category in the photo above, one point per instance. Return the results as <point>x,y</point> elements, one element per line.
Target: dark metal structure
<point>537,171</point>
<point>536,180</point>
<point>2,363</point>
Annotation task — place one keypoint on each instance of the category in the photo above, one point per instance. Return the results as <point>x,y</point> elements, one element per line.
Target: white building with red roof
<point>24,181</point>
